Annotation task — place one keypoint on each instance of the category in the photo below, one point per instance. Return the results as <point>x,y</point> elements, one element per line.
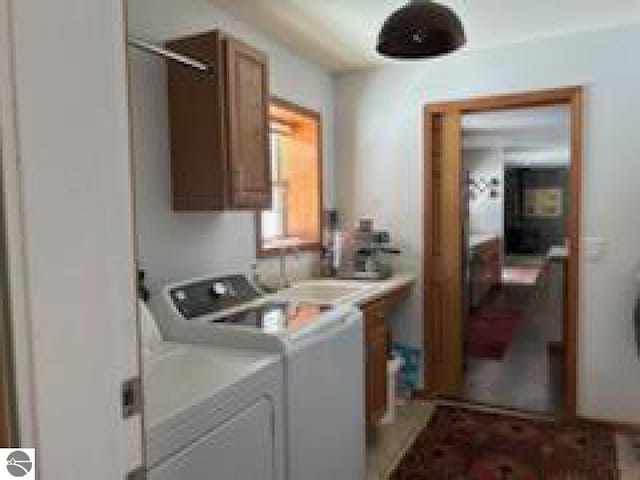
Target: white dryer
<point>211,412</point>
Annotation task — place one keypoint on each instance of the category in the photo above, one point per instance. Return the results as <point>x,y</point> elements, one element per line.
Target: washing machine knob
<point>219,289</point>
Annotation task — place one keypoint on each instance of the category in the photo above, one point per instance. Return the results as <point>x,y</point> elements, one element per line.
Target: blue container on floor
<point>411,364</point>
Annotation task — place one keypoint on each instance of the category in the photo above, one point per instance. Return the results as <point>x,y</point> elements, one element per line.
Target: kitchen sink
<point>325,291</point>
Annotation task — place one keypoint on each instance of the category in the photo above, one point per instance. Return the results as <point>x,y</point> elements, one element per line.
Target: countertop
<point>384,287</point>
<point>476,239</point>
<point>367,291</point>
<point>558,253</point>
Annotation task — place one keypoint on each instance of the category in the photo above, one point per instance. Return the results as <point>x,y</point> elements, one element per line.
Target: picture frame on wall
<point>543,202</point>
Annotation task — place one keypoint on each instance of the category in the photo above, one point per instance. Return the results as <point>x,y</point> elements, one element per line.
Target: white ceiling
<point>341,34</point>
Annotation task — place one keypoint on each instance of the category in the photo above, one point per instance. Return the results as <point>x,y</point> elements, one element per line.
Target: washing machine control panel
<point>206,297</point>
<point>220,289</point>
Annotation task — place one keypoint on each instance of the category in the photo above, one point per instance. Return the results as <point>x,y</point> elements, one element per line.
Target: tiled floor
<point>524,380</point>
<point>387,444</point>
<point>528,377</point>
<point>629,456</point>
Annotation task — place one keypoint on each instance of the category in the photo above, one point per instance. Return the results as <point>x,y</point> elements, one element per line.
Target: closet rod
<point>170,55</point>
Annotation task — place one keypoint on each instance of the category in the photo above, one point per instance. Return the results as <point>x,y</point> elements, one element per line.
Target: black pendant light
<point>421,29</point>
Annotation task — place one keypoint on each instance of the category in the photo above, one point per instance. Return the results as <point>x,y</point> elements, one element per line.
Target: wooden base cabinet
<point>486,270</point>
<point>219,126</point>
<point>376,349</point>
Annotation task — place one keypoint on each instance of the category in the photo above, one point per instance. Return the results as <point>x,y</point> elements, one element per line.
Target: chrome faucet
<point>284,249</point>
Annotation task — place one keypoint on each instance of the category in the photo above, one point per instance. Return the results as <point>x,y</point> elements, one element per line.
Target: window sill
<point>272,248</point>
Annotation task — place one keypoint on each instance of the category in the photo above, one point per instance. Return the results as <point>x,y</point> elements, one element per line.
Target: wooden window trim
<point>304,246</point>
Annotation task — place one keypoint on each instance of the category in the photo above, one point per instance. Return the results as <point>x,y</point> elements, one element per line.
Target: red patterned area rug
<point>460,444</point>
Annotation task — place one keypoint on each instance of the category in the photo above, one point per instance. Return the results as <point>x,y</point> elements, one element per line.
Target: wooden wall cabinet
<point>219,126</point>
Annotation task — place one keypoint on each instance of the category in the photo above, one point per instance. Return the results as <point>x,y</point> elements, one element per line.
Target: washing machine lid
<point>187,389</point>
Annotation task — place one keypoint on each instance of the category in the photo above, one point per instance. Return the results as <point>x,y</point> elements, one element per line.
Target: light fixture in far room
<point>421,29</point>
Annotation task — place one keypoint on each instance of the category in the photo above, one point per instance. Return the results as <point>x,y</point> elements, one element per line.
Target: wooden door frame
<point>572,97</point>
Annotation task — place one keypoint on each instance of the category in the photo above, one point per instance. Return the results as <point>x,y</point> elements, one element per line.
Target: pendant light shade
<point>421,29</point>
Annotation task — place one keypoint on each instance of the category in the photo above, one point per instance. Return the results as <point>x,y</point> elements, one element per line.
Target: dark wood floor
<point>529,377</point>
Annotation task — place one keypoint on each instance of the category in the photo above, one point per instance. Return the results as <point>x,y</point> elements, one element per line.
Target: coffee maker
<point>365,253</point>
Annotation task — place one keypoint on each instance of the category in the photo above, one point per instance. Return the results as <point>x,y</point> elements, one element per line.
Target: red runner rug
<point>489,331</point>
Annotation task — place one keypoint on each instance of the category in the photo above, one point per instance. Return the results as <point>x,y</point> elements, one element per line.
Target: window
<point>296,171</point>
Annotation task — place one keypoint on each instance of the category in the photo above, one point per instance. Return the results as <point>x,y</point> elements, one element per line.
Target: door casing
<point>441,284</point>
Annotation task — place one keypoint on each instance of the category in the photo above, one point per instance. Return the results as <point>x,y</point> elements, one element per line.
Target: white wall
<point>486,213</point>
<point>172,245</point>
<point>378,150</point>
<point>73,173</point>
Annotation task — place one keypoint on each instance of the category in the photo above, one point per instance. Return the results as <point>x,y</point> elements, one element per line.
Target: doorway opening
<point>516,166</point>
<point>501,203</point>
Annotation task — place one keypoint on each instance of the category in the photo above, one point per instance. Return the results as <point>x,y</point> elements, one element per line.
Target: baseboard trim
<point>480,407</point>
<point>491,409</point>
<point>556,348</point>
<point>422,395</point>
<point>618,426</point>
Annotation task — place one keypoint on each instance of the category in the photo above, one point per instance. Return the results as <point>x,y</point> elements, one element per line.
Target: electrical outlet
<point>595,249</point>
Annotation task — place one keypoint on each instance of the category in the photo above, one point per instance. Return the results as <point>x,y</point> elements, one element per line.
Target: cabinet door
<point>197,130</point>
<point>376,358</point>
<point>248,125</point>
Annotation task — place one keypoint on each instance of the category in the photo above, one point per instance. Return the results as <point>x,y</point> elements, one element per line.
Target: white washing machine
<point>211,412</point>
<point>323,364</point>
